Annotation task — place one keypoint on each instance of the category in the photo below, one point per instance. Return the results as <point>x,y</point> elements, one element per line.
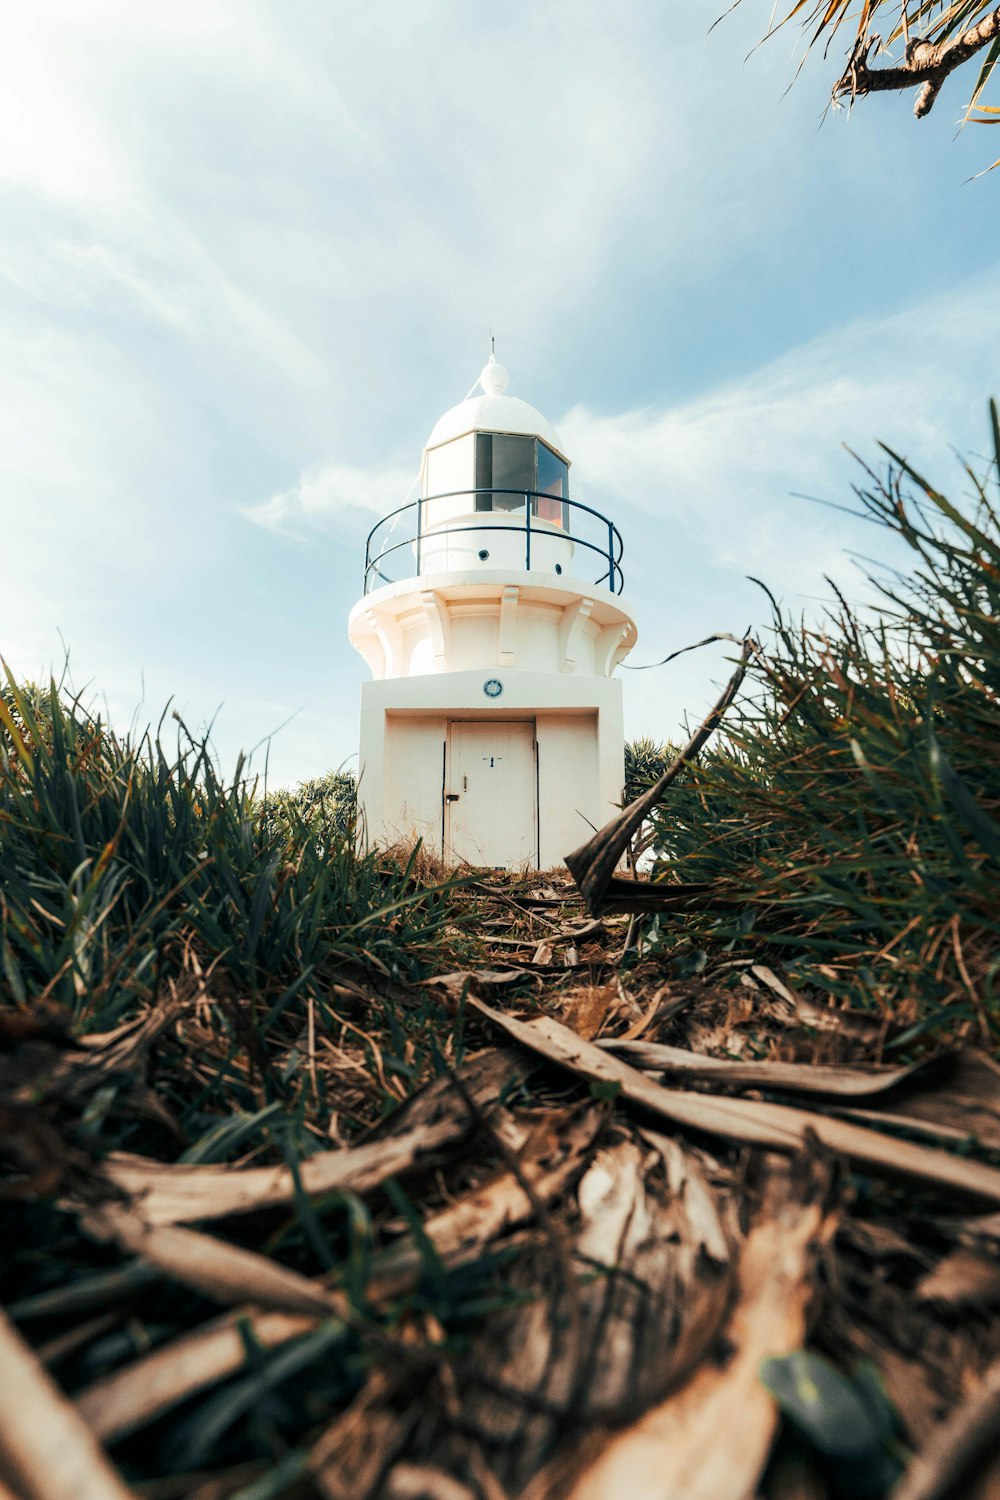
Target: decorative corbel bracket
<point>574,618</point>
<point>375,647</point>
<point>436,614</point>
<point>508,621</point>
<point>613,644</point>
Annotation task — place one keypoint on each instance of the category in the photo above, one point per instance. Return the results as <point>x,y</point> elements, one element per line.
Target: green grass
<point>275,970</point>
<point>128,869</point>
<point>852,807</point>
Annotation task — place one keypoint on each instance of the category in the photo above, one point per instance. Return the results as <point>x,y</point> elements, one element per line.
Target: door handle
<point>451,797</point>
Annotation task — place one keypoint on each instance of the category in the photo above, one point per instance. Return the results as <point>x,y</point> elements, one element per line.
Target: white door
<point>490,793</point>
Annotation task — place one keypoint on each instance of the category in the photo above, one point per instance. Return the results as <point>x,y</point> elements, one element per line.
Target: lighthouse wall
<point>411,801</point>
<point>414,732</point>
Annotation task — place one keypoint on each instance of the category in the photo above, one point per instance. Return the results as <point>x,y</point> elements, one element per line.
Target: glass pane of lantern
<point>553,480</point>
<point>484,470</point>
<point>513,469</point>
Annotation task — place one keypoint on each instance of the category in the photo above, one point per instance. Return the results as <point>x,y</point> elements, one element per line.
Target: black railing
<point>386,561</point>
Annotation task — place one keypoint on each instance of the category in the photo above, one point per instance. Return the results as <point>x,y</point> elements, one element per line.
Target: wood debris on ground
<point>558,1268</point>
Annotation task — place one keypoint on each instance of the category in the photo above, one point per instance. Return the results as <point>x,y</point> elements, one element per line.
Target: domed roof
<point>493,411</point>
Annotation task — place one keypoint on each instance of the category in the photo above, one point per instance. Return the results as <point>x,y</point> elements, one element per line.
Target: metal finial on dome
<point>494,378</point>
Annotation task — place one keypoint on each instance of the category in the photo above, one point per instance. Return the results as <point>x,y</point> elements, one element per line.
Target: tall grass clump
<point>127,866</point>
<point>850,816</point>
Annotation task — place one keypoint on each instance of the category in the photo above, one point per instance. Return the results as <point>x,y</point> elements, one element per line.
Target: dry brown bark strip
<point>779,1127</point>
<point>228,1273</point>
<point>167,1194</point>
<point>651,1263</point>
<point>711,1438</point>
<point>967,1097</point>
<point>805,1078</point>
<point>956,1100</point>
<point>951,1096</point>
<point>130,1398</point>
<point>177,1194</point>
<point>125,1401</point>
<point>47,1451</point>
<point>593,865</point>
<point>549,1162</point>
<point>891,1119</point>
<point>947,1465</point>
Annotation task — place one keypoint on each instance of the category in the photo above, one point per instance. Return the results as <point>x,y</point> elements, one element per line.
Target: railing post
<point>611,559</point>
<point>420,529</point>
<point>527,521</point>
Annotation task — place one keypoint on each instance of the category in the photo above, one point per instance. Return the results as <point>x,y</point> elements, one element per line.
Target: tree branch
<point>925,63</point>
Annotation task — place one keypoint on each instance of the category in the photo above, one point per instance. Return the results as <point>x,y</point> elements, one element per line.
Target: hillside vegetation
<point>328,1173</point>
<point>850,813</point>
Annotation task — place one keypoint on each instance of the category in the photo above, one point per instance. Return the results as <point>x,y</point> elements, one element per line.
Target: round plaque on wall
<point>492,687</point>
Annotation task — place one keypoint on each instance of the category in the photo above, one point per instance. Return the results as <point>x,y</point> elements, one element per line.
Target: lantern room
<point>497,456</point>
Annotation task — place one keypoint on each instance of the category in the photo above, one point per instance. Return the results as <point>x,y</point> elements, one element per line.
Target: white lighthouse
<point>492,621</point>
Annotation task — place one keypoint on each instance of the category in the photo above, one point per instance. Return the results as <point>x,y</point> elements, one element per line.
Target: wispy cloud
<point>724,474</point>
<point>709,492</point>
<point>324,495</point>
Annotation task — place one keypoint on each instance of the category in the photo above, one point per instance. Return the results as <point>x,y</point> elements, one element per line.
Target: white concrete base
<point>546,771</point>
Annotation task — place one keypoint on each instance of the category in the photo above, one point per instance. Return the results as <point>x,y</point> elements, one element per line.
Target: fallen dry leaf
<point>169,1194</point>
<point>780,1127</point>
<point>712,1437</point>
<point>634,1299</point>
<point>459,981</point>
<point>227,1273</point>
<point>961,1278</point>
<point>593,865</point>
<point>587,1009</point>
<point>48,1452</point>
<point>805,1078</point>
<point>958,1451</point>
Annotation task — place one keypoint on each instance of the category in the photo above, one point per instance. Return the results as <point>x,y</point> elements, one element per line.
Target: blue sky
<point>249,253</point>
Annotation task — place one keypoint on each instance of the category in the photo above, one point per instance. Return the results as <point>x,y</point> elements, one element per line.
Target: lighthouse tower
<point>492,621</point>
